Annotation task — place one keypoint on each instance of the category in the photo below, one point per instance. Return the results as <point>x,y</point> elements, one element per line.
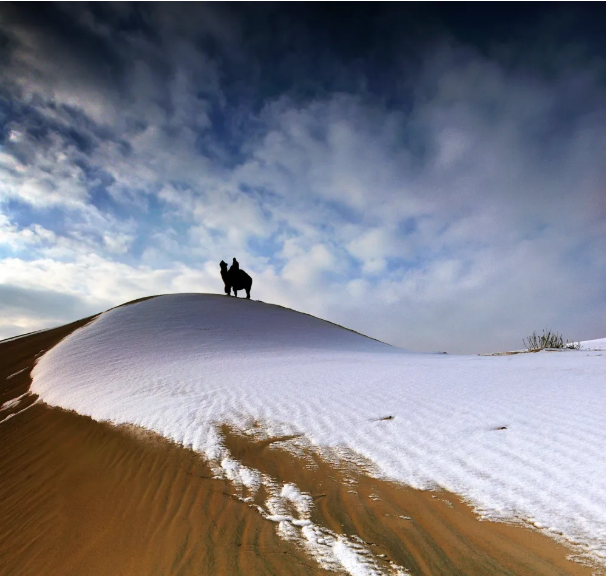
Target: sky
<point>431,175</point>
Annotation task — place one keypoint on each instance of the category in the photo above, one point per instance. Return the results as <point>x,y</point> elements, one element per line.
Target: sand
<point>79,497</point>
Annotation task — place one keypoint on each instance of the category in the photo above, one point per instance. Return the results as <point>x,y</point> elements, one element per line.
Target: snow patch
<point>13,402</point>
<point>16,373</point>
<point>331,551</point>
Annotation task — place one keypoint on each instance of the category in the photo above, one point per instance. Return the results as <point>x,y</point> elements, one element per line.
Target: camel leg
<point>235,293</point>
<point>248,293</point>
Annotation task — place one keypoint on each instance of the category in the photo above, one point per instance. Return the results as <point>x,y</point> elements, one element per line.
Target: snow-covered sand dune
<point>519,436</point>
<point>599,344</point>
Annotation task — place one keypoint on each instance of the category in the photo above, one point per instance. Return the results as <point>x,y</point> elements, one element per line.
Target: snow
<point>520,436</point>
<point>599,344</point>
<point>11,404</point>
<point>14,401</point>
<point>16,373</point>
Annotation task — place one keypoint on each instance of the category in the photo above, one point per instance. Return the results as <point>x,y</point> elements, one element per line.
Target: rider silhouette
<point>235,279</point>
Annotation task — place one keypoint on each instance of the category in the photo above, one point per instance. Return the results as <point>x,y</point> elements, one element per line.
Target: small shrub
<point>548,339</point>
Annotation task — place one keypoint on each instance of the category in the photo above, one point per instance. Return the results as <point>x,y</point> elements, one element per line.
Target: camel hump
<point>241,280</point>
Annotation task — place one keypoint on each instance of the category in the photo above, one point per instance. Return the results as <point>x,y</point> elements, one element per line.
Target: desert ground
<point>83,497</point>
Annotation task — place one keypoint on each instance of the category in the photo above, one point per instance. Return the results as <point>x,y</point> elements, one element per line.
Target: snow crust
<point>520,437</point>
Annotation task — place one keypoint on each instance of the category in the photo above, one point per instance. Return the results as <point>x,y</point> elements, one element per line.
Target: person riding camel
<point>235,279</point>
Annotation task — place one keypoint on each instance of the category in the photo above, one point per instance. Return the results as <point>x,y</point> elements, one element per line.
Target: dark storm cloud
<point>431,174</point>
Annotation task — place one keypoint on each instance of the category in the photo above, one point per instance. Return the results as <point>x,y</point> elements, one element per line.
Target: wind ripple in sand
<point>291,509</point>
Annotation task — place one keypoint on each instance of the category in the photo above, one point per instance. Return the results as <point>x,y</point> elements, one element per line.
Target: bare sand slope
<point>78,497</point>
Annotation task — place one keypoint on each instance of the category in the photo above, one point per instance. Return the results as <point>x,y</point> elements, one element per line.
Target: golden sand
<point>78,497</point>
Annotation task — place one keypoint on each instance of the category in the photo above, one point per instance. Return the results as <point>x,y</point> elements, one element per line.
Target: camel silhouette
<point>235,279</point>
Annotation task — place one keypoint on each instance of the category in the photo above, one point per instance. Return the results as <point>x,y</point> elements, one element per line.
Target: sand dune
<point>79,497</point>
<point>82,497</point>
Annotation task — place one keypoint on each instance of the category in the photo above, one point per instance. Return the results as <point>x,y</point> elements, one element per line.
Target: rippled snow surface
<point>520,436</point>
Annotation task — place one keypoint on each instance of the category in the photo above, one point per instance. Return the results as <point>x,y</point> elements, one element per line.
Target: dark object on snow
<point>235,279</point>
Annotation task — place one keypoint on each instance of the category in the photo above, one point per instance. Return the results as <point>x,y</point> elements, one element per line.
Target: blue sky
<point>430,175</point>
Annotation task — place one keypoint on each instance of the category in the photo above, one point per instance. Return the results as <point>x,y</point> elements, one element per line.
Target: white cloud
<point>43,172</point>
<point>373,246</point>
<point>118,243</point>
